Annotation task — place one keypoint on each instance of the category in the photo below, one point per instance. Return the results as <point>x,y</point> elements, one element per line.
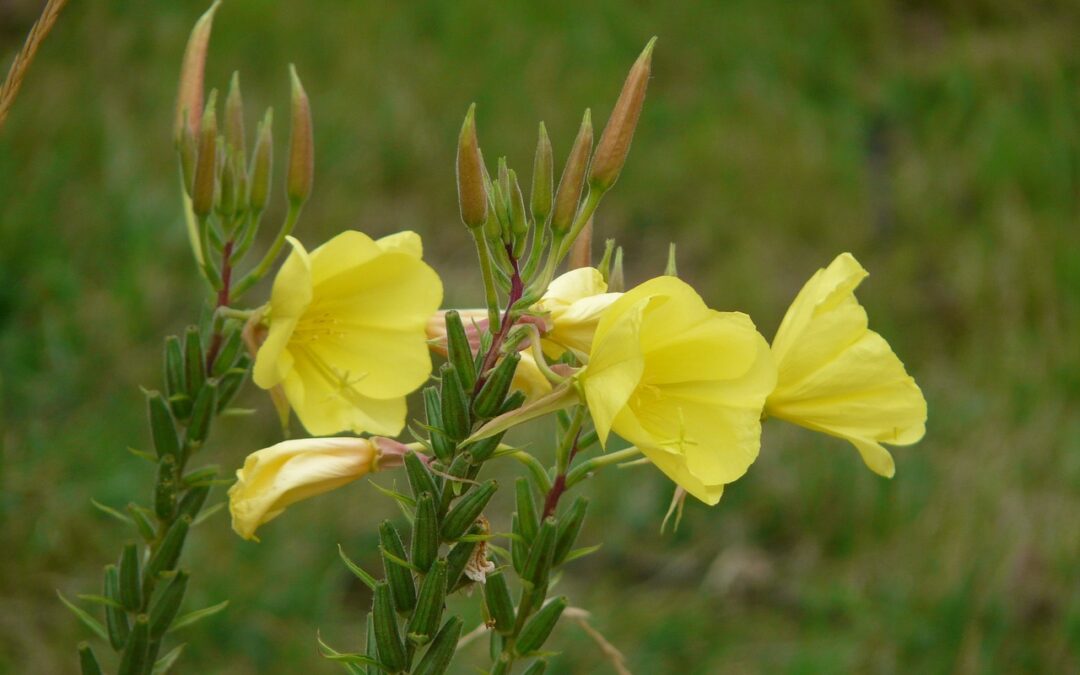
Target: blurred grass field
<point>937,141</point>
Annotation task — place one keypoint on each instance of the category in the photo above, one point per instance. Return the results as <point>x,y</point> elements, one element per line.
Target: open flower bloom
<point>275,477</point>
<point>837,376</point>
<point>684,383</point>
<point>346,339</point>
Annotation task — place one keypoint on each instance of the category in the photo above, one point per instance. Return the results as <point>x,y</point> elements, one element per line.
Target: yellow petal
<point>276,477</point>
<point>528,379</point>
<point>292,290</point>
<point>576,284</point>
<point>325,405</point>
<point>404,242</point>
<point>615,364</point>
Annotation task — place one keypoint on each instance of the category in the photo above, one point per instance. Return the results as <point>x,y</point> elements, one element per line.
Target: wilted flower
<point>684,383</point>
<point>275,477</point>
<point>347,339</point>
<point>837,376</point>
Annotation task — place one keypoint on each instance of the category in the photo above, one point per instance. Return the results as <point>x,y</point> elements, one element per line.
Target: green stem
<point>583,215</point>
<point>582,471</point>
<point>260,270</point>
<point>491,295</point>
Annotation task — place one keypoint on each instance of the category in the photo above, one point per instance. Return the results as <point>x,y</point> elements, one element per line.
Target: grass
<point>939,142</point>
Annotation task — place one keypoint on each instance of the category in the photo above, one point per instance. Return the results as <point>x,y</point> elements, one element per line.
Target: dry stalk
<point>25,57</point>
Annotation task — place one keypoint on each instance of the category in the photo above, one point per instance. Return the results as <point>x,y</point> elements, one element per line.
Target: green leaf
<point>237,412</point>
<point>99,600</point>
<point>394,494</point>
<point>198,615</point>
<point>349,660</point>
<point>162,665</point>
<point>207,513</point>
<point>89,621</point>
<point>142,454</point>
<point>581,553</point>
<point>398,561</point>
<point>360,573</point>
<point>122,517</point>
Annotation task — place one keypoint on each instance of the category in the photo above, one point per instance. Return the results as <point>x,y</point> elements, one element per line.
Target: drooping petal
<point>615,364</point>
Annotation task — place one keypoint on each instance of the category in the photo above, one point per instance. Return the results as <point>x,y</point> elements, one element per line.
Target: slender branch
<point>517,288</point>
<point>260,270</point>
<point>25,57</point>
<point>491,295</point>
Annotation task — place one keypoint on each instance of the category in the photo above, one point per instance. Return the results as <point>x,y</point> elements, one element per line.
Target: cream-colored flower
<point>275,477</point>
<point>347,332</point>
<point>838,377</point>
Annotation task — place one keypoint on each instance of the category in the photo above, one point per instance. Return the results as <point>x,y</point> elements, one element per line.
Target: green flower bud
<point>205,183</point>
<point>543,178</point>
<point>519,222</point>
<point>188,150</point>
<point>134,660</point>
<point>499,605</point>
<point>229,385</point>
<point>194,368</point>
<point>165,488</point>
<point>459,352</point>
<point>454,404</point>
<point>569,528</point>
<point>192,501</point>
<point>616,282</point>
<point>88,663</point>
<point>162,426</point>
<point>387,635</point>
<point>459,468</point>
<point>483,449</point>
<point>116,620</point>
<point>400,578</point>
<point>262,164</point>
<point>526,509</point>
<point>202,413</point>
<point>301,171</point>
<point>670,270</point>
<point>226,203</point>
<point>438,656</point>
<point>537,630</point>
<point>142,522</point>
<point>491,395</point>
<point>441,445</point>
<point>370,648</point>
<point>167,605</point>
<point>165,557</point>
<point>457,559</point>
<point>519,551</point>
<point>537,668</point>
<point>425,537</point>
<point>174,378</point>
<point>231,348</point>
<point>234,117</point>
<point>472,196</point>
<point>573,177</point>
<point>421,479</point>
<point>538,563</point>
<point>467,510</point>
<point>615,140</point>
<point>429,607</point>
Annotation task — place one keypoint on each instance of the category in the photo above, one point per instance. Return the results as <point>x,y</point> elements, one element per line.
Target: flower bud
<point>459,350</point>
<point>141,518</point>
<point>569,193</point>
<point>387,635</point>
<point>459,468</point>
<point>670,270</point>
<point>615,140</point>
<point>518,546</point>
<point>455,404</point>
<point>262,164</point>
<point>490,397</point>
<point>569,528</point>
<point>130,587</point>
<point>88,663</point>
<point>543,178</point>
<point>165,489</point>
<point>617,281</point>
<point>202,413</point>
<point>472,196</point>
<point>134,660</point>
<point>537,668</point>
<point>467,510</point>
<point>519,222</point>
<point>165,557</point>
<point>162,427</point>
<point>499,605</point>
<point>202,190</point>
<point>167,605</point>
<point>456,560</point>
<point>537,630</point>
<point>301,172</point>
<point>192,502</point>
<point>234,118</point>
<point>425,534</point>
<point>538,563</point>
<point>274,478</point>
<point>526,510</point>
<point>116,620</point>
<point>429,606</point>
<point>441,445</point>
<point>189,151</point>
<point>438,656</point>
<point>189,99</point>
<point>174,378</point>
<point>420,477</point>
<point>399,578</point>
<point>230,349</point>
<point>226,204</point>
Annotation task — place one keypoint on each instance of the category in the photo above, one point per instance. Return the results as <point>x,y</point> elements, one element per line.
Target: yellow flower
<point>275,477</point>
<point>347,339</point>
<point>574,303</point>
<point>837,376</point>
<point>684,383</point>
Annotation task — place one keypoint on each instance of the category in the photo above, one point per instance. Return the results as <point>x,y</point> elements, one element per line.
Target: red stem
<point>222,301</point>
<point>559,486</point>
<point>517,288</point>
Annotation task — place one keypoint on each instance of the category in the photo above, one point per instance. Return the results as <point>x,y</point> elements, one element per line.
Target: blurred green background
<point>937,141</point>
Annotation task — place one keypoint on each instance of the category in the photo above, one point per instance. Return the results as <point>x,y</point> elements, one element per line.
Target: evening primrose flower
<point>837,376</point>
<point>276,477</point>
<point>346,334</point>
<point>684,383</point>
